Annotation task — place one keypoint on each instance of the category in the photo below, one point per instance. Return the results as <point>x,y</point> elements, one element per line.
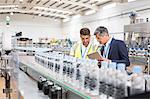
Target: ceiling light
<point>21,0</point>
<point>39,14</point>
<point>109,6</point>
<point>60,1</point>
<point>7,25</point>
<point>66,20</point>
<point>11,13</point>
<point>7,18</point>
<point>8,6</point>
<point>76,16</point>
<point>131,0</point>
<point>90,12</point>
<point>47,14</point>
<point>55,19</point>
<point>49,9</point>
<point>93,4</point>
<point>15,8</point>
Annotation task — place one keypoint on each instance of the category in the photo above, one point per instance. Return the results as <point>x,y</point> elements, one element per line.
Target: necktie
<point>102,50</point>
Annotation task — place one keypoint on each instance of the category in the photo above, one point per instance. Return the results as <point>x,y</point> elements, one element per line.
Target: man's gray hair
<point>101,30</point>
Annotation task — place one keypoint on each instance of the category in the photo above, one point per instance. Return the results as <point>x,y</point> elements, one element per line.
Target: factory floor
<point>28,87</point>
<point>15,94</point>
<point>1,88</point>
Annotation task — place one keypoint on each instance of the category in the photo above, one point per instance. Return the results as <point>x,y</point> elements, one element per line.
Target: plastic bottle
<point>138,81</point>
<point>87,76</point>
<point>111,80</point>
<point>74,83</point>
<point>78,72</point>
<point>72,70</point>
<point>147,78</point>
<point>121,81</point>
<point>94,78</point>
<point>82,78</point>
<point>61,60</point>
<point>103,79</point>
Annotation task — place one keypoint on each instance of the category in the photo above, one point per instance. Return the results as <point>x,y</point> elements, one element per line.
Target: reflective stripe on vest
<point>90,50</point>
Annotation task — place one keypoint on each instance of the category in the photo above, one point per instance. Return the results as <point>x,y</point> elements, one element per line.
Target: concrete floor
<point>28,87</point>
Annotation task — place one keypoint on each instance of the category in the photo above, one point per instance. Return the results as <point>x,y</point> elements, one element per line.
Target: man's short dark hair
<point>84,31</point>
<point>101,30</point>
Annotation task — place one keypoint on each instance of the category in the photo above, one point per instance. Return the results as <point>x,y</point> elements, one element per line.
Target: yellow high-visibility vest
<point>77,51</point>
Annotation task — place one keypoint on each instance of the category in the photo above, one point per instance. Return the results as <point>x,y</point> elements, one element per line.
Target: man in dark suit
<point>112,50</point>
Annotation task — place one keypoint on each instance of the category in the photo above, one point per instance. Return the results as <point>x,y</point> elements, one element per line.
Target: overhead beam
<point>37,5</point>
<point>33,12</point>
<point>80,4</point>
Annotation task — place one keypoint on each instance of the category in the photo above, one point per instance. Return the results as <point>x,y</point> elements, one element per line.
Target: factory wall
<point>35,27</point>
<point>114,19</point>
<point>31,26</point>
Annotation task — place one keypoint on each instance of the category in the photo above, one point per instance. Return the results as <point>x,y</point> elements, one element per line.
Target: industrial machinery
<point>8,71</point>
<point>137,38</point>
<point>137,35</point>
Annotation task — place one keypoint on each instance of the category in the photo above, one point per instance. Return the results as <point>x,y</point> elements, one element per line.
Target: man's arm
<point>123,53</point>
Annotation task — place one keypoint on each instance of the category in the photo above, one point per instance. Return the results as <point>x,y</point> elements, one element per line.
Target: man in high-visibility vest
<point>85,47</point>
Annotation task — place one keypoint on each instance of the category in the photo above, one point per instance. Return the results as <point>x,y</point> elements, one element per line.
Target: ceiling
<point>55,9</point>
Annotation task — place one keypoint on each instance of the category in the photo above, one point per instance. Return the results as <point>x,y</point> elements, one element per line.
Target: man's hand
<point>105,59</point>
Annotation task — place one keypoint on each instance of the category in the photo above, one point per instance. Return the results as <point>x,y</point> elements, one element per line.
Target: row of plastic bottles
<point>111,80</point>
<point>80,73</point>
<point>116,83</point>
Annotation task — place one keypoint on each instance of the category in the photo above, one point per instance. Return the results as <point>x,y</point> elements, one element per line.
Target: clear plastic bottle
<point>111,73</point>
<point>74,66</point>
<point>111,80</point>
<point>46,62</point>
<point>82,77</point>
<point>103,79</point>
<point>58,66</point>
<point>87,76</point>
<point>138,80</point>
<point>121,81</point>
<point>66,68</point>
<point>94,78</point>
<point>147,78</point>
<point>61,67</point>
<point>72,70</point>
<point>78,72</point>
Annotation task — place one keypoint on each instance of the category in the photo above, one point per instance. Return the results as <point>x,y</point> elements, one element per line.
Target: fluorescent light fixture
<point>60,1</point>
<point>7,26</point>
<point>90,12</point>
<point>76,16</point>
<point>11,13</point>
<point>8,6</point>
<point>39,14</point>
<point>15,8</point>
<point>109,6</point>
<point>51,14</point>
<point>55,20</point>
<point>66,20</point>
<point>7,18</point>
<point>21,0</point>
<point>49,9</point>
<point>131,0</point>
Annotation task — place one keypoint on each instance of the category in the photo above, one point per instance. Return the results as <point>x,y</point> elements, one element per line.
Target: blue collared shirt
<point>106,48</point>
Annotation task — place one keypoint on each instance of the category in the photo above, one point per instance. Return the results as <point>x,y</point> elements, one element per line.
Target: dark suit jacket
<point>118,52</point>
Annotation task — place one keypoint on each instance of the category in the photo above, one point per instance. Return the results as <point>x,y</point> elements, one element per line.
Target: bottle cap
<point>137,69</point>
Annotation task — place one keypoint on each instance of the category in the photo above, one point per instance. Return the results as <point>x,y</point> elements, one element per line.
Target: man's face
<point>85,39</point>
<point>101,39</point>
